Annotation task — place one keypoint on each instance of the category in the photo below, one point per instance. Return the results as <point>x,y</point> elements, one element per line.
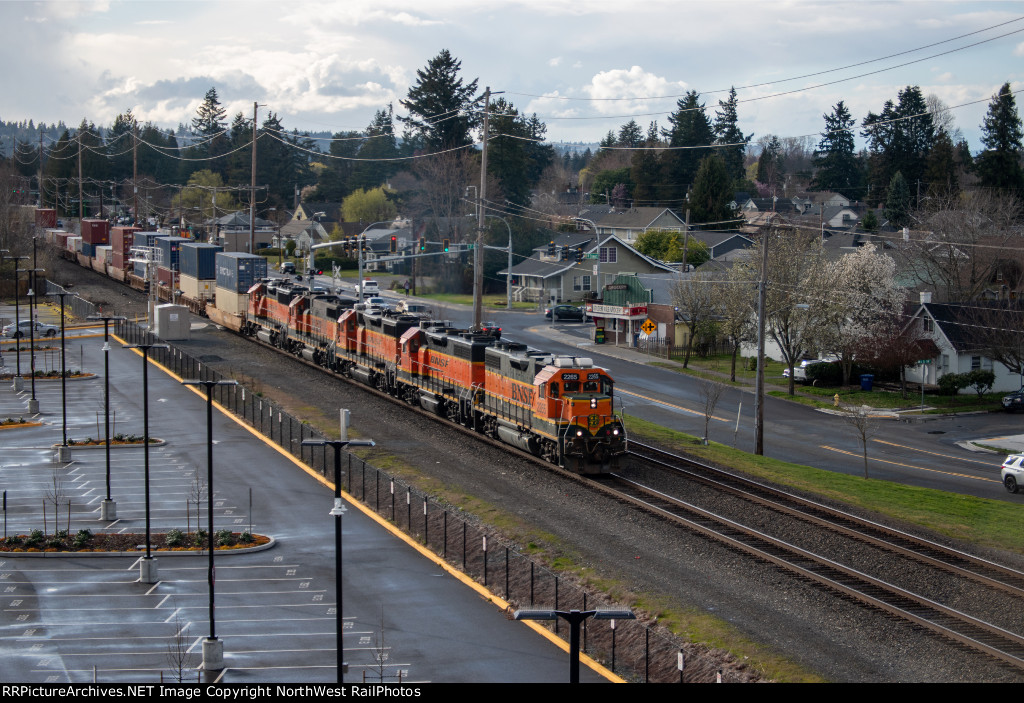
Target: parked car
<point>23,329</point>
<point>800,371</point>
<point>565,312</point>
<point>377,304</point>
<point>1014,401</point>
<point>417,308</point>
<point>1012,472</point>
<point>288,267</point>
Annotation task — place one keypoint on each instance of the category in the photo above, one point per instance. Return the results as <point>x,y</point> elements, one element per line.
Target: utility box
<point>172,322</point>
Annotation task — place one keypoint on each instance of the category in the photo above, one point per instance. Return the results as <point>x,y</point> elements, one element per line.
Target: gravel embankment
<point>665,564</point>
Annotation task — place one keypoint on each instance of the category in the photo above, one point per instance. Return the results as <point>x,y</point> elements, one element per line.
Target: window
<point>927,324</point>
<point>975,363</point>
<point>581,283</point>
<point>609,255</point>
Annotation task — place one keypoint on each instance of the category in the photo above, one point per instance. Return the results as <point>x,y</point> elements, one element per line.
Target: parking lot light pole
<point>213,648</point>
<point>147,565</point>
<point>64,451</point>
<point>337,511</point>
<point>33,403</point>
<point>18,380</point>
<point>575,618</point>
<point>108,508</point>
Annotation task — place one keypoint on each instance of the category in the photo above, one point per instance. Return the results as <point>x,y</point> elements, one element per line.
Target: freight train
<point>559,408</point>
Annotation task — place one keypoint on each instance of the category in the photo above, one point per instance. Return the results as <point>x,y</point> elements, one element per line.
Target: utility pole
<point>135,173</point>
<point>40,171</point>
<point>762,295</point>
<point>81,204</point>
<point>478,252</point>
<point>252,186</point>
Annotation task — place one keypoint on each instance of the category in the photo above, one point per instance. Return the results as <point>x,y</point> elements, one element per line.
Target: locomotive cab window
<point>554,389</point>
<point>592,387</point>
<point>572,386</point>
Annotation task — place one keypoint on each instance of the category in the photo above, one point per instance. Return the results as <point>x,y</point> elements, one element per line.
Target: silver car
<point>24,329</point>
<point>1013,473</point>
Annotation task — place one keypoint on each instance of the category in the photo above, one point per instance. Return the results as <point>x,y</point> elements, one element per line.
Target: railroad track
<point>948,622</point>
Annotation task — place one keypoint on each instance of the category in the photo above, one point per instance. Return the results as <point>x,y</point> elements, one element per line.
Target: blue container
<point>238,271</point>
<point>88,249</point>
<point>867,381</point>
<point>199,260</point>
<point>170,249</point>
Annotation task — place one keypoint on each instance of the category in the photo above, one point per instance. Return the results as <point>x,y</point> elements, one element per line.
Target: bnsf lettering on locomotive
<point>438,361</point>
<point>521,394</point>
<point>570,377</point>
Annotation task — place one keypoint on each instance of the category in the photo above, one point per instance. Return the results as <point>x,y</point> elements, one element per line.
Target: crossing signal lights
<point>446,243</point>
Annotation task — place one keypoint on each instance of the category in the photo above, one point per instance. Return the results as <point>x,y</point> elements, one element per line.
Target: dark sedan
<point>565,312</point>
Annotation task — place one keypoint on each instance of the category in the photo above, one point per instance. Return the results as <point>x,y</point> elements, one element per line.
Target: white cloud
<point>618,90</point>
<point>555,61</point>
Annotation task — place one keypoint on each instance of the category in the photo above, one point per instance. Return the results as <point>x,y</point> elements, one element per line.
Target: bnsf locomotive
<point>556,407</point>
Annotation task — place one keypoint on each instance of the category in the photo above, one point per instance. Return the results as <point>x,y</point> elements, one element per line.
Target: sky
<point>583,66</point>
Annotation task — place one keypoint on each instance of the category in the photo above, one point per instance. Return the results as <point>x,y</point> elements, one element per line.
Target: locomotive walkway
<point>62,617</point>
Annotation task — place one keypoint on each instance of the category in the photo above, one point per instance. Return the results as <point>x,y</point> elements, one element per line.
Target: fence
<point>79,307</point>
<point>629,648</point>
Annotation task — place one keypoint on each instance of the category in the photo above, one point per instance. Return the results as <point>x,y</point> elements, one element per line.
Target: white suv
<point>1013,472</point>
<point>370,288</point>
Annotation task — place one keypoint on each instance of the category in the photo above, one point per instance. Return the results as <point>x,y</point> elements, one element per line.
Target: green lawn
<point>490,301</point>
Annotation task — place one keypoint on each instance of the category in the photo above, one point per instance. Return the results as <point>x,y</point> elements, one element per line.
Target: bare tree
<point>736,299</point>
<point>56,494</point>
<point>179,658</point>
<point>865,425</point>
<point>966,246</point>
<point>197,493</point>
<point>696,296</point>
<point>710,393</point>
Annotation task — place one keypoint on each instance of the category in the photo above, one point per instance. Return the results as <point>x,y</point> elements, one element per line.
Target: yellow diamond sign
<point>649,326</point>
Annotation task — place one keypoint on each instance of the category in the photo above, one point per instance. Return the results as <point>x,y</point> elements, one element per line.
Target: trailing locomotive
<point>560,408</point>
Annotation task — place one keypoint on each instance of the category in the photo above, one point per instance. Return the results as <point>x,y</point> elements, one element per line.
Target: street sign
<point>649,326</point>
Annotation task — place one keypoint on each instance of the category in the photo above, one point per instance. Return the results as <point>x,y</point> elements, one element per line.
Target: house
<point>629,224</point>
<point>554,272</point>
<point>958,348</point>
<point>233,232</point>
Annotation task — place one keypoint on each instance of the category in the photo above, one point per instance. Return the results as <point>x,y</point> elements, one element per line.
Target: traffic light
<point>445,243</point>
<point>394,244</point>
<point>565,254</point>
<point>579,254</point>
<point>423,244</point>
<point>551,248</point>
<point>344,245</point>
<point>362,244</point>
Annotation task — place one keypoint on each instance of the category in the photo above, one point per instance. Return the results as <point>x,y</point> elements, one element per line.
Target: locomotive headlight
<point>616,432</point>
<point>579,433</point>
<point>593,403</point>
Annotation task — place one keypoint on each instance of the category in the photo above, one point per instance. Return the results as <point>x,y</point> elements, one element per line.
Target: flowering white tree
<point>861,295</point>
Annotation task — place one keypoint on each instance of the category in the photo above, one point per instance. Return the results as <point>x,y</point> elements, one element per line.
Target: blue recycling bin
<point>867,381</point>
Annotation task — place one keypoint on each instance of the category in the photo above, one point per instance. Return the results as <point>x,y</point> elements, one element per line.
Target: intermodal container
<point>166,276</point>
<point>46,217</point>
<point>96,232</point>
<point>122,238</point>
<point>170,249</point>
<point>199,260</point>
<point>237,271</point>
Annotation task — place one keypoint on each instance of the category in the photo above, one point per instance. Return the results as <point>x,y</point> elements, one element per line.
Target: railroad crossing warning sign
<point>649,326</point>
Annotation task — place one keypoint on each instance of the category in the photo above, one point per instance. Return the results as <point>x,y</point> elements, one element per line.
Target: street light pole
<point>33,404</point>
<point>147,565</point>
<point>213,649</point>
<point>575,618</point>
<point>108,508</point>
<point>337,512</point>
<point>18,380</point>
<point>64,452</point>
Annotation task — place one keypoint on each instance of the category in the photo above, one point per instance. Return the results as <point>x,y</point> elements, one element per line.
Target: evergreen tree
<point>835,158</point>
<point>120,140</point>
<point>941,170</point>
<point>630,135</point>
<point>771,163</point>
<point>727,131</point>
<point>897,202</point>
<point>335,180</point>
<point>711,192</point>
<point>59,167</point>
<point>899,139</point>
<point>209,119</point>
<point>380,144</point>
<point>506,158</point>
<point>690,127</point>
<point>438,104</point>
<point>999,166</point>
<point>211,138</point>
<point>645,172</point>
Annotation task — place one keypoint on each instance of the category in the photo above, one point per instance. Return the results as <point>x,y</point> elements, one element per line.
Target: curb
<point>154,442</point>
<point>141,553</point>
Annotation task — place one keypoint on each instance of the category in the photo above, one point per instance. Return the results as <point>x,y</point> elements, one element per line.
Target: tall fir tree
<point>438,104</point>
<point>771,164</point>
<point>728,134</point>
<point>1001,133</point>
<point>690,127</point>
<point>897,202</point>
<point>711,193</point>
<point>644,171</point>
<point>835,159</point>
<point>380,145</point>
<point>899,139</point>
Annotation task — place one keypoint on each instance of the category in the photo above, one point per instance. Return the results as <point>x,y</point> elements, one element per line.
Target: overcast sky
<point>330,65</point>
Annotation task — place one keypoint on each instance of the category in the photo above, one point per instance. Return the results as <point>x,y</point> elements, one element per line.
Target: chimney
<point>926,297</point>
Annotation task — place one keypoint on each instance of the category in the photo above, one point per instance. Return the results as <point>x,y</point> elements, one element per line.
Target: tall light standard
<point>64,452</point>
<point>33,403</point>
<point>213,648</point>
<point>575,618</point>
<point>337,511</point>
<point>18,380</point>
<point>147,566</point>
<point>108,508</point>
